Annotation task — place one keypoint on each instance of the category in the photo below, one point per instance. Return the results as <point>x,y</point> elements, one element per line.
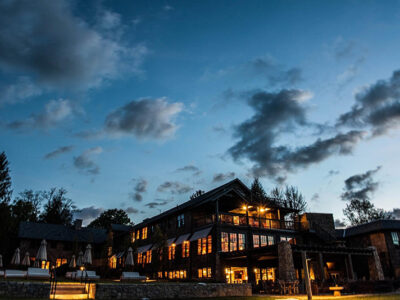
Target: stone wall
<point>24,289</point>
<point>171,290</point>
<point>286,269</point>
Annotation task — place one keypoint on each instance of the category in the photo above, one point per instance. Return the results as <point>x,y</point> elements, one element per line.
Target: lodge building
<point>223,236</point>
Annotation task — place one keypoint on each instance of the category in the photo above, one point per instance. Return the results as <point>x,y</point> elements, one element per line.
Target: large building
<point>223,235</point>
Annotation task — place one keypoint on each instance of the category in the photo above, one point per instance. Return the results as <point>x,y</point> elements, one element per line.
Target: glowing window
<point>242,241</point>
<point>256,240</point>
<point>185,249</point>
<point>232,242</point>
<point>395,238</point>
<point>144,233</point>
<point>224,242</point>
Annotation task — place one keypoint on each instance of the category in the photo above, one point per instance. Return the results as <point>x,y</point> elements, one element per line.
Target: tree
<point>360,211</point>
<point>59,209</point>
<point>111,216</point>
<point>258,194</point>
<point>294,199</point>
<point>197,194</point>
<point>5,179</point>
<point>159,240</point>
<point>277,193</point>
<point>26,207</point>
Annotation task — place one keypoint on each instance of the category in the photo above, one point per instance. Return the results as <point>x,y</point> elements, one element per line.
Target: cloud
<point>174,187</point>
<point>55,112</point>
<point>277,114</point>
<point>160,202</point>
<point>360,186</point>
<point>85,163</point>
<point>58,152</point>
<point>343,48</point>
<point>223,176</point>
<point>395,213</point>
<point>219,128</point>
<point>131,210</point>
<point>59,49</point>
<point>143,119</point>
<point>339,223</point>
<point>315,197</point>
<point>190,168</point>
<point>139,188</point>
<point>264,67</point>
<point>88,214</point>
<point>377,106</point>
<point>333,173</point>
<point>19,91</point>
<point>350,73</point>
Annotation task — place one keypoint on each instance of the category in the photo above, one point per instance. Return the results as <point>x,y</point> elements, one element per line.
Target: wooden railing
<point>243,220</point>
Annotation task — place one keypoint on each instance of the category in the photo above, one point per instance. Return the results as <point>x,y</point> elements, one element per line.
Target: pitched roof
<point>378,225</point>
<point>55,232</point>
<point>206,197</point>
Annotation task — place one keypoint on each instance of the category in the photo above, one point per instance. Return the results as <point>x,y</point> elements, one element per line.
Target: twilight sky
<point>137,104</point>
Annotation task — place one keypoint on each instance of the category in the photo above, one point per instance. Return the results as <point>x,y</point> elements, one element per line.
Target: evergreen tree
<point>5,179</point>
<point>258,194</point>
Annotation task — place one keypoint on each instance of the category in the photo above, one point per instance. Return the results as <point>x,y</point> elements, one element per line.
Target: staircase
<point>70,291</point>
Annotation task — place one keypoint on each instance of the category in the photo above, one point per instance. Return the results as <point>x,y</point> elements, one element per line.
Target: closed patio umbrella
<point>41,254</point>
<point>129,258</point>
<point>87,258</point>
<point>79,262</point>
<point>16,259</point>
<point>36,264</point>
<point>72,263</point>
<point>1,261</point>
<point>26,261</point>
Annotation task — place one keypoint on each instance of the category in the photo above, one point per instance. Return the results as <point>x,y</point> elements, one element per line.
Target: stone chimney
<point>78,224</point>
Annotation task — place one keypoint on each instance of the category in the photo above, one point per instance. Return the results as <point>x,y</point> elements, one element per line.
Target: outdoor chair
<point>92,275</point>
<point>38,273</point>
<point>70,275</point>
<point>15,274</point>
<point>132,276</point>
<point>1,273</point>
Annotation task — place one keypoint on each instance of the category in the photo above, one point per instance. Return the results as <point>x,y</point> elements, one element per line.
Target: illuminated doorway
<point>264,274</point>
<point>236,275</point>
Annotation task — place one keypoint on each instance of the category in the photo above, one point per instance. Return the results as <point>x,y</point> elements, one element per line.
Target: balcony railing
<point>243,220</point>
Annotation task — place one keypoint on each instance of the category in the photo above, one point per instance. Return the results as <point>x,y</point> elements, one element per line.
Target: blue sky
<point>137,104</point>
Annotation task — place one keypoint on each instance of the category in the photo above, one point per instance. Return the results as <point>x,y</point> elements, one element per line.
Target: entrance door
<point>236,274</point>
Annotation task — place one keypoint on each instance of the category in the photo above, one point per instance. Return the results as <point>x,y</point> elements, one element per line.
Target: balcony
<point>252,221</point>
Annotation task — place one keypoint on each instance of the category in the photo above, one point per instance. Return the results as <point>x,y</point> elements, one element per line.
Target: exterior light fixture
<point>244,207</point>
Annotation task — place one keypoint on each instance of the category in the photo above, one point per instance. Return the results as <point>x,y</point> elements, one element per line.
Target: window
<point>112,262</point>
<point>148,257</point>
<point>185,249</point>
<point>171,252</point>
<point>235,220</point>
<point>60,261</point>
<point>232,242</point>
<point>270,240</point>
<point>204,273</point>
<point>289,239</point>
<point>256,240</point>
<point>224,242</point>
<point>180,221</point>
<point>144,233</point>
<point>140,257</point>
<point>395,238</point>
<point>263,240</point>
<point>133,237</point>
<point>204,245</point>
<point>242,241</point>
<point>159,274</point>
<point>138,234</point>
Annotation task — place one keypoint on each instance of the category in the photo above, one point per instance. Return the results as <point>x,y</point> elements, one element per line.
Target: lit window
<point>139,257</point>
<point>235,220</point>
<point>242,241</point>
<point>270,240</point>
<point>256,240</point>
<point>144,233</point>
<point>171,252</point>
<point>395,238</point>
<point>289,239</point>
<point>185,249</point>
<point>133,237</point>
<point>148,257</point>
<point>60,262</point>
<point>209,244</point>
<point>138,234</point>
<point>180,220</point>
<point>232,242</point>
<point>204,273</point>
<point>200,273</point>
<point>159,274</point>
<point>204,245</point>
<point>263,240</point>
<point>224,242</point>
<point>113,262</point>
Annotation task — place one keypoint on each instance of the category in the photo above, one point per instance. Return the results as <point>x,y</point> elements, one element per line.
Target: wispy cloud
<point>58,151</point>
<point>223,176</point>
<point>140,187</point>
<point>85,163</point>
<point>174,187</point>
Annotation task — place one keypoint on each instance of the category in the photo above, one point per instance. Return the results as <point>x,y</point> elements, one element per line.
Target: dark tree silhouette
<point>360,211</point>
<point>258,194</point>
<point>5,179</point>
<point>294,199</point>
<point>26,207</point>
<point>111,216</point>
<point>159,240</point>
<point>197,194</point>
<point>59,209</point>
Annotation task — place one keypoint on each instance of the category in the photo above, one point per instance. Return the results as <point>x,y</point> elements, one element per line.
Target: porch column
<point>321,266</point>
<point>285,262</point>
<point>306,274</point>
<point>375,267</point>
<point>350,270</point>
<point>218,271</point>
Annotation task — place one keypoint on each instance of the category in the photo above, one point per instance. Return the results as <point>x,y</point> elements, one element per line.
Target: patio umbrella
<point>36,264</point>
<point>79,262</point>
<point>72,263</point>
<point>129,258</point>
<point>1,261</point>
<point>87,258</point>
<point>26,261</point>
<point>41,254</point>
<point>16,259</point>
